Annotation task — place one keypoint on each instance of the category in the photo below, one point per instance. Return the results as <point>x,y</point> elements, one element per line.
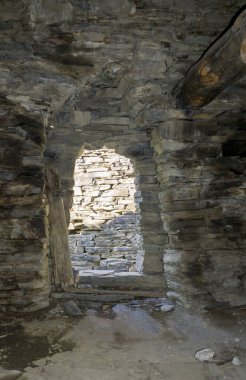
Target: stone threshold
<point>119,281</point>
<point>111,286</point>
<point>99,295</point>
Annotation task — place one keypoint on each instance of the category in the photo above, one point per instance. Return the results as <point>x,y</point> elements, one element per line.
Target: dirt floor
<point>121,342</point>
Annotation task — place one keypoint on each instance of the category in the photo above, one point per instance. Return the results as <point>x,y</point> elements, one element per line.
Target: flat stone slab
<point>120,280</point>
<point>71,308</point>
<point>102,295</point>
<point>136,323</point>
<point>9,374</point>
<point>95,272</point>
<point>108,273</point>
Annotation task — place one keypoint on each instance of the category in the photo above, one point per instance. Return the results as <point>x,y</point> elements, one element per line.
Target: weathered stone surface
<point>203,240</point>
<point>110,279</point>
<point>137,322</point>
<point>71,308</point>
<point>205,355</point>
<point>166,308</point>
<point>78,75</point>
<point>112,206</point>
<point>24,276</point>
<point>236,361</point>
<point>9,374</point>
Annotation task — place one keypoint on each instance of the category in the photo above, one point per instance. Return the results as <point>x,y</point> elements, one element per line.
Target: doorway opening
<point>104,231</point>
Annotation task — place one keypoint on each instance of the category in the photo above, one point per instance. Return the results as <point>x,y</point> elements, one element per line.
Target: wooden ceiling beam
<point>222,64</point>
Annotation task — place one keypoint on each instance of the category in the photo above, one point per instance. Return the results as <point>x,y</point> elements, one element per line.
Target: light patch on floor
<point>129,342</point>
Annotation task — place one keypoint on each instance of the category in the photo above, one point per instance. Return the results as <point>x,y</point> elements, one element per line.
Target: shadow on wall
<point>113,245</point>
<point>225,244</point>
<point>218,267</point>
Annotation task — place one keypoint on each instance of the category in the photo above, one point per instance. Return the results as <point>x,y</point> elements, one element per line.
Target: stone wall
<point>202,198</point>
<point>104,222</point>
<point>102,73</point>
<point>24,277</point>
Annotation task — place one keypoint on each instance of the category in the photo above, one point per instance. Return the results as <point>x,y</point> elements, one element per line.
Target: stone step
<point>109,279</point>
<point>112,296</point>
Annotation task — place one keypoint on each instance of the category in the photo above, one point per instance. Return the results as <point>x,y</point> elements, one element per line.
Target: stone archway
<point>148,269</point>
<point>135,146</point>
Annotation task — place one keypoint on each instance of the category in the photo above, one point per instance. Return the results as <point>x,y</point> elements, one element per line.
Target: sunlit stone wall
<point>104,228</point>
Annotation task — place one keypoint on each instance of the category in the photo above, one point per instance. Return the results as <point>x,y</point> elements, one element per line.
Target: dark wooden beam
<point>222,64</point>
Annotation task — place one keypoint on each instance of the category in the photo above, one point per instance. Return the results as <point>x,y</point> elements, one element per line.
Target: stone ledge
<point>99,295</point>
<point>119,281</point>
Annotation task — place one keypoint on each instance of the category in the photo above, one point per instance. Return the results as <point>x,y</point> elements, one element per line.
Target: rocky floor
<point>138,340</point>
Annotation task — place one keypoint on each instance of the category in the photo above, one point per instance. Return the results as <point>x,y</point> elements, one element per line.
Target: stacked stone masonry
<point>24,279</point>
<point>203,207</point>
<point>104,231</point>
<point>93,73</point>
